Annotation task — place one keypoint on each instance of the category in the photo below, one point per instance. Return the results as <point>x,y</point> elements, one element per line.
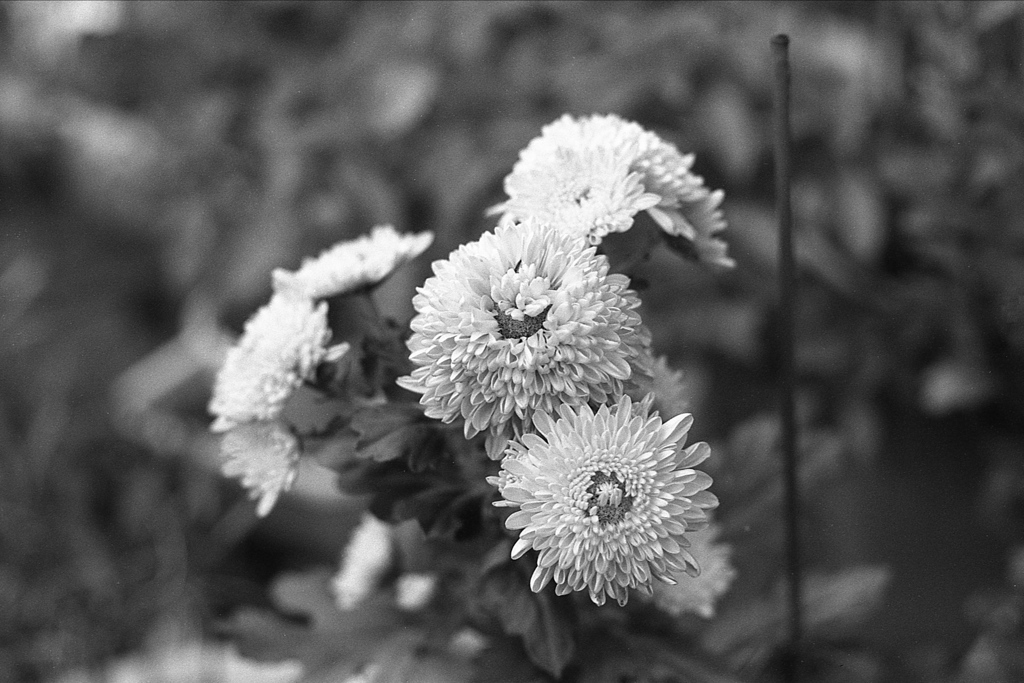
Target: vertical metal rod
<point>787,297</point>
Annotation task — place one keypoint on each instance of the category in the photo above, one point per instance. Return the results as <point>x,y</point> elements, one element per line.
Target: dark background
<point>158,159</point>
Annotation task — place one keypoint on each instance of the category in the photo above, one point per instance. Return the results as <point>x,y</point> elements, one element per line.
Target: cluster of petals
<point>353,264</point>
<point>520,322</point>
<point>280,348</point>
<point>698,594</point>
<point>265,456</point>
<point>606,498</point>
<point>671,393</point>
<point>594,174</point>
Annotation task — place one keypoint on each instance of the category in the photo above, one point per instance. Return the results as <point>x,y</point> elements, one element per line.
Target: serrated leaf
<point>389,431</point>
<point>432,508</point>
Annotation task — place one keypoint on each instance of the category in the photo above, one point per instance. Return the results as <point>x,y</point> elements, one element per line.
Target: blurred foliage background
<point>157,159</point>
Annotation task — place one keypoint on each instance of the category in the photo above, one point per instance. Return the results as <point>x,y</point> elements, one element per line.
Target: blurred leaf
<point>331,640</point>
<point>749,481</point>
<point>612,658</point>
<point>505,661</point>
<point>400,94</point>
<point>861,216</point>
<point>954,384</point>
<point>264,636</point>
<point>833,605</point>
<point>734,133</point>
<point>838,601</point>
<point>401,658</point>
<point>730,328</point>
<point>117,163</point>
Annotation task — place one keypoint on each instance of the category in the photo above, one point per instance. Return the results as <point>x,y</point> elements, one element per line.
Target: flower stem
<point>787,297</point>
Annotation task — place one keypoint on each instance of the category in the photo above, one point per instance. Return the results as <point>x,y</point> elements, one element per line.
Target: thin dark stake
<point>787,297</point>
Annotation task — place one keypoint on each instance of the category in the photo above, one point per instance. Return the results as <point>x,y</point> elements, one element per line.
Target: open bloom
<point>606,498</point>
<point>280,347</point>
<point>588,191</point>
<point>518,323</point>
<point>353,264</point>
<point>698,594</point>
<point>265,456</point>
<point>592,175</point>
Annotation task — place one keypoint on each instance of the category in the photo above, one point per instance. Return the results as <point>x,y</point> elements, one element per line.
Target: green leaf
<point>505,661</point>
<point>389,431</point>
<point>329,640</point>
<point>550,643</point>
<point>543,621</point>
<point>433,509</point>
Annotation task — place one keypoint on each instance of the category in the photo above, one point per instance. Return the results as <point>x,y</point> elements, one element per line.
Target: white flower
<point>265,456</point>
<point>280,348</point>
<point>606,499</point>
<point>594,174</point>
<point>522,321</point>
<point>669,390</point>
<point>698,594</point>
<point>352,264</point>
<point>366,559</point>
<point>588,192</point>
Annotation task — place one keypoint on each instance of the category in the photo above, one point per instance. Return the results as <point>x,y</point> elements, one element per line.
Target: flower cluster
<point>527,336</point>
<point>281,347</point>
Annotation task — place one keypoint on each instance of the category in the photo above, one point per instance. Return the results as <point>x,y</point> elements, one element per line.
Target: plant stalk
<point>787,301</point>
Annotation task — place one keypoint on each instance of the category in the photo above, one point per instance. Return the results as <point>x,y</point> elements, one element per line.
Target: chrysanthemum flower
<point>520,322</point>
<point>671,395</point>
<point>281,346</point>
<point>353,264</point>
<point>617,169</point>
<point>365,560</point>
<point>588,191</point>
<point>606,498</point>
<point>265,456</point>
<point>698,594</point>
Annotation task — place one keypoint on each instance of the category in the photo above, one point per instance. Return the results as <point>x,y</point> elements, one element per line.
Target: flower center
<point>608,499</point>
<point>580,195</point>
<point>511,328</point>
